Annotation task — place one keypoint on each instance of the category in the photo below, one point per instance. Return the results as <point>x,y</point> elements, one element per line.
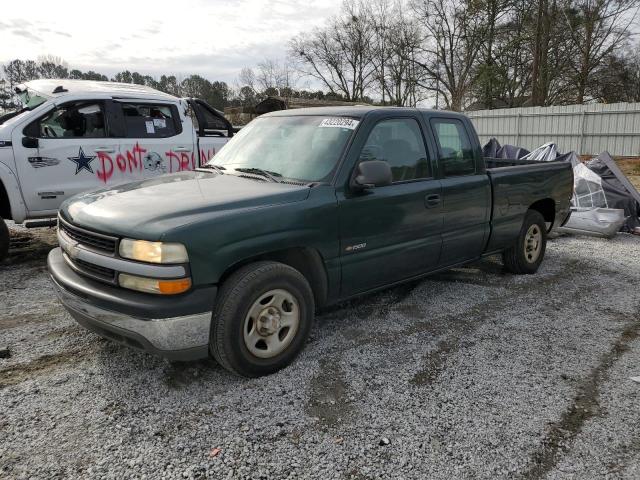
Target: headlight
<point>153,252</point>
<point>154,285</point>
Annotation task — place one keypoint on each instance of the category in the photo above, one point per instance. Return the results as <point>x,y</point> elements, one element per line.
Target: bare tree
<point>511,60</point>
<point>402,76</point>
<point>247,78</point>
<point>493,14</point>
<point>277,77</point>
<point>596,28</point>
<point>449,50</point>
<point>340,54</point>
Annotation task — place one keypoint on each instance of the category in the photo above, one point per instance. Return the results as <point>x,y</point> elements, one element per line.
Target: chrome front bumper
<point>178,338</point>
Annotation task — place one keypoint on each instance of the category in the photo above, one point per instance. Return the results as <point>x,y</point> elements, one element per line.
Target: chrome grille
<point>94,270</point>
<point>88,239</point>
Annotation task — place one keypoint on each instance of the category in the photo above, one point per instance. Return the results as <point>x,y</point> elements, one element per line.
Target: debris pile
<point>604,201</point>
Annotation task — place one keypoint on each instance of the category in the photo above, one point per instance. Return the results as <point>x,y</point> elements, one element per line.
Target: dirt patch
<point>460,327</point>
<point>631,168</point>
<point>7,322</point>
<point>40,366</point>
<point>584,406</point>
<point>328,395</point>
<point>182,374</point>
<point>29,245</point>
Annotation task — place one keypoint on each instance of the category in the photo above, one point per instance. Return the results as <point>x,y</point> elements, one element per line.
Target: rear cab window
<point>454,147</point>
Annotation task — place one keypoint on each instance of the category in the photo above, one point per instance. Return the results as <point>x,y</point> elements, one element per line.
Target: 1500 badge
<point>353,248</point>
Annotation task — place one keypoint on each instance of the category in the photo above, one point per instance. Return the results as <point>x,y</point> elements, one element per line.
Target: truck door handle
<point>182,149</point>
<point>431,201</point>
<point>105,149</point>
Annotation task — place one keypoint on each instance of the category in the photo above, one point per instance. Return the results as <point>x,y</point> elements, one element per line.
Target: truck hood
<point>148,209</point>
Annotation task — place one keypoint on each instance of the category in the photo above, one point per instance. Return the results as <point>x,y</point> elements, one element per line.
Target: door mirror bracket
<point>30,142</point>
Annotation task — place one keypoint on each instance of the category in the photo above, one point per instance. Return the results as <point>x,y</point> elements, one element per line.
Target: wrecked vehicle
<point>73,136</point>
<point>302,209</point>
<point>597,222</point>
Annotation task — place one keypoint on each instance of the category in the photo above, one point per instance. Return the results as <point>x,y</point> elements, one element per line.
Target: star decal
<point>82,161</point>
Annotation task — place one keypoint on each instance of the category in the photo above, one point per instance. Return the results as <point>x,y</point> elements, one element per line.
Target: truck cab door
<point>213,130</point>
<point>466,192</point>
<point>391,233</point>
<point>57,153</point>
<point>154,139</point>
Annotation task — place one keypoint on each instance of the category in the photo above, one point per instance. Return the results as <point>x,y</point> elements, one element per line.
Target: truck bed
<point>516,185</point>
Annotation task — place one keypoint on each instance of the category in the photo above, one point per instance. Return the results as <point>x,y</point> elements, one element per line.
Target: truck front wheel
<point>4,239</point>
<point>262,318</point>
<point>526,255</point>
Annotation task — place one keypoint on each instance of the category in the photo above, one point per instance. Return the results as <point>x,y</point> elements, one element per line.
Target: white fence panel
<point>586,129</point>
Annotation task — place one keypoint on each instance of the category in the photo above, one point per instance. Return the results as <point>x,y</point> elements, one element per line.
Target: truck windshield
<point>29,102</point>
<point>304,148</point>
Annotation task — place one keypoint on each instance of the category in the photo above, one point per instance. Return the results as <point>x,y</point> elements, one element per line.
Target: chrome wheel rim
<point>533,243</point>
<point>271,323</point>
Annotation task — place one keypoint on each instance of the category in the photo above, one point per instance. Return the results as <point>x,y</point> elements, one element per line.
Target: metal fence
<point>586,129</point>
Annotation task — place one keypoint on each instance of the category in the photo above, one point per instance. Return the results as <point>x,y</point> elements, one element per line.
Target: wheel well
<point>547,209</point>
<point>5,207</point>
<point>307,261</point>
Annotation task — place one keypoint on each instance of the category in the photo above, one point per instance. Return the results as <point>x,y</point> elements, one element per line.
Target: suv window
<point>398,142</point>
<point>74,120</point>
<point>456,154</point>
<point>146,120</point>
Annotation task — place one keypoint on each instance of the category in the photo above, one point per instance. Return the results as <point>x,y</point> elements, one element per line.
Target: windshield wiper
<point>265,173</point>
<point>212,166</point>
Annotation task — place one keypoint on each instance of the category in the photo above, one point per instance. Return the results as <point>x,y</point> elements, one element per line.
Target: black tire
<point>4,240</point>
<point>517,259</point>
<point>237,295</point>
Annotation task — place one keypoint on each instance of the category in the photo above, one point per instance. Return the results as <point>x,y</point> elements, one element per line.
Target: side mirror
<point>29,142</point>
<point>372,173</point>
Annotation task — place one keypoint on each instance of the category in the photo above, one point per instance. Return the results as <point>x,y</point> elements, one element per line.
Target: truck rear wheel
<point>262,318</point>
<point>4,239</point>
<point>526,255</point>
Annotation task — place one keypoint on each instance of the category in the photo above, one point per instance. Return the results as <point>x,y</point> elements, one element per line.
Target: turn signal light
<point>171,287</point>
<point>154,285</point>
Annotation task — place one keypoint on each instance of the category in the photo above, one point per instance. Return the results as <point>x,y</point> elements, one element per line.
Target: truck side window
<point>75,120</point>
<point>456,154</point>
<point>399,142</point>
<point>146,120</point>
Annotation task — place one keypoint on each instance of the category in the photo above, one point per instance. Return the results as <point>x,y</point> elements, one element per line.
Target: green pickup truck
<point>301,209</point>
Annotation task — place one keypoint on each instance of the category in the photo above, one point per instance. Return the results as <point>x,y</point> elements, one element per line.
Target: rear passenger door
<point>391,233</point>
<point>152,142</point>
<point>466,192</point>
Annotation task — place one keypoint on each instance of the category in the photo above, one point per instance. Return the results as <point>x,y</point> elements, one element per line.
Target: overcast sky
<point>212,38</point>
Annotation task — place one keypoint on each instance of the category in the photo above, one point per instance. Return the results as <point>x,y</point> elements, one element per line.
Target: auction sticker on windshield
<point>339,122</point>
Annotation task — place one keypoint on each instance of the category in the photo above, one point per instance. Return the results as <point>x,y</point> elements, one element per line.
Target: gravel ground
<point>472,373</point>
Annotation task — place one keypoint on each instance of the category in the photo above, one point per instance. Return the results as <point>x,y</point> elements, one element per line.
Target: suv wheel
<point>526,255</point>
<point>4,239</point>
<point>262,318</point>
